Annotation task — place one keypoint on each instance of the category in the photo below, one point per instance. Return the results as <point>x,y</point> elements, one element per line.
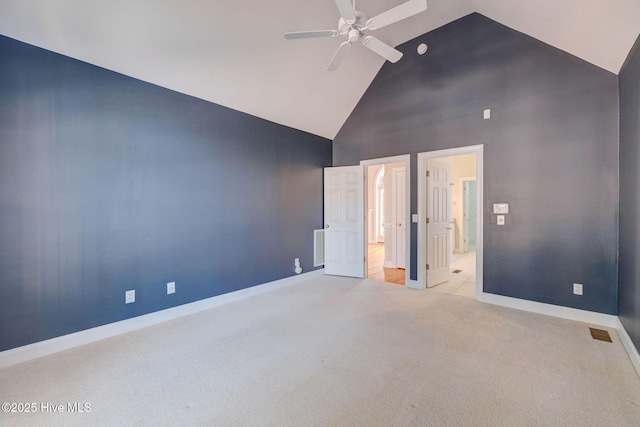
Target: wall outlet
<point>486,114</point>
<point>577,289</point>
<point>171,288</point>
<point>130,296</point>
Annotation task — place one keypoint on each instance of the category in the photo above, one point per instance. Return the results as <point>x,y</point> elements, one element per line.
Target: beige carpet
<point>335,351</point>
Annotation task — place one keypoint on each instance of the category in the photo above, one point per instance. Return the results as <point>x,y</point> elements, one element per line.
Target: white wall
<point>463,167</point>
<point>472,216</point>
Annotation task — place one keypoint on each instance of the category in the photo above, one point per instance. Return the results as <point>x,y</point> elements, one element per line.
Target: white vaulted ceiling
<point>234,53</point>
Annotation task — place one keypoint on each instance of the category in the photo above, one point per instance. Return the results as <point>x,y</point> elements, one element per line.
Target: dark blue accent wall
<point>629,265</point>
<point>550,151</point>
<point>108,183</point>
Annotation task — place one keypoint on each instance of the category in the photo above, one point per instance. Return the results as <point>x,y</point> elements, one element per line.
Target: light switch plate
<point>171,288</point>
<point>414,218</point>
<point>501,208</point>
<point>500,219</point>
<point>486,114</point>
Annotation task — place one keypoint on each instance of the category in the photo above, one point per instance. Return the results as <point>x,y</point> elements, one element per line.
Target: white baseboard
<point>599,319</point>
<point>65,342</point>
<point>632,351</point>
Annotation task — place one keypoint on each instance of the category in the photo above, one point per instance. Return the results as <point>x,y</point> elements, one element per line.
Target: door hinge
<point>427,266</point>
<point>428,174</point>
<point>365,259</point>
<point>427,220</point>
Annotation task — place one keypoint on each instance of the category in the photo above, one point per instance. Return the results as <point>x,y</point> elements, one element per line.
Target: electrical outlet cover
<point>130,296</point>
<point>171,288</point>
<point>577,289</point>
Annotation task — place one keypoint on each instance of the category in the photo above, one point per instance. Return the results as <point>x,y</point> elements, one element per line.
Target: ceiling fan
<point>354,25</point>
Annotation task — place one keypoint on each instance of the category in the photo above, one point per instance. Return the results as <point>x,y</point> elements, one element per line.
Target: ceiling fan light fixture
<point>353,36</point>
<point>354,24</point>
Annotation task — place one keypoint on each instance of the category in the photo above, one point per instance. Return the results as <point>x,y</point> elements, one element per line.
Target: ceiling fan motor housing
<point>357,29</point>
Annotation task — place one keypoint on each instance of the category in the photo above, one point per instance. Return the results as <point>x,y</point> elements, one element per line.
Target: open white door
<point>438,225</point>
<point>399,195</point>
<point>344,221</point>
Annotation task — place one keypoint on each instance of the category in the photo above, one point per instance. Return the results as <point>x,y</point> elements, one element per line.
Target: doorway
<point>450,228</point>
<point>386,217</point>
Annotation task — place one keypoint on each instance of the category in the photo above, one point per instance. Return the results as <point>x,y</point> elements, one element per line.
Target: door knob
<point>326,226</point>
<point>448,228</point>
<point>399,225</point>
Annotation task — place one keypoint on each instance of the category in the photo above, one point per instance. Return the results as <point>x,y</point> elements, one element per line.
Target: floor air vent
<point>600,334</point>
<point>318,248</point>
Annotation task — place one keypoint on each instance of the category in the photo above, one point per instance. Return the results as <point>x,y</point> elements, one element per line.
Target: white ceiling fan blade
<point>382,49</point>
<point>310,34</point>
<point>346,11</point>
<point>338,56</point>
<point>396,14</point>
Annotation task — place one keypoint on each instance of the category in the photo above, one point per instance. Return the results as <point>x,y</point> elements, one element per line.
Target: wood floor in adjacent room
<point>335,351</point>
<point>376,271</point>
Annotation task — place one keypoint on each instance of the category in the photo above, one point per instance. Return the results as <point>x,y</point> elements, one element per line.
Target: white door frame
<point>422,211</point>
<point>406,159</point>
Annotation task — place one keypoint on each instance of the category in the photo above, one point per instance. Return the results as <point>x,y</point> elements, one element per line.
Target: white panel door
<point>439,225</point>
<point>399,216</point>
<point>344,221</point>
